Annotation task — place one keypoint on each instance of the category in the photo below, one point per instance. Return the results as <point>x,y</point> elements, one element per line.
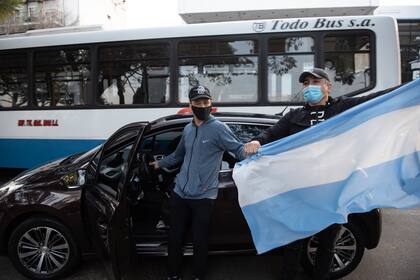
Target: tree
<point>7,7</point>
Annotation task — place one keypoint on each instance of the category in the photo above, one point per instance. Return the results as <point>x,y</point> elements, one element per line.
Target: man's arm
<point>229,142</point>
<point>350,102</point>
<point>279,130</point>
<point>173,159</point>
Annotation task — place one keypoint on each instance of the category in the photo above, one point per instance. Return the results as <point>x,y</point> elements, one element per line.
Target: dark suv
<point>110,201</point>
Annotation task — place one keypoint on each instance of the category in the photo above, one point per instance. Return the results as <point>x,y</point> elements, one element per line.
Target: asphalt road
<point>397,257</point>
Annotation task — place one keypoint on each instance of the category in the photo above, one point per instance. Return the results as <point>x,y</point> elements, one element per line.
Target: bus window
<point>13,80</point>
<point>228,68</point>
<point>134,74</point>
<point>347,61</point>
<point>287,58</point>
<point>409,31</point>
<point>62,77</point>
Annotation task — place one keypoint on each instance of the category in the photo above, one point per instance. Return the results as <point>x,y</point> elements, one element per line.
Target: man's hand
<point>252,147</point>
<point>154,164</point>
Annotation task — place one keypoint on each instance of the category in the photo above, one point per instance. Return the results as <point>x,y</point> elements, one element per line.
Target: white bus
<point>64,93</point>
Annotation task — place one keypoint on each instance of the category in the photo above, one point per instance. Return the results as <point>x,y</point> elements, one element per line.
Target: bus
<point>408,20</point>
<point>62,93</point>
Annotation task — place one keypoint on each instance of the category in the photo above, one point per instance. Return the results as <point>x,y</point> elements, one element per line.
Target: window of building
<point>62,77</point>
<point>228,68</point>
<point>13,80</point>
<point>134,74</point>
<point>287,58</point>
<point>347,61</point>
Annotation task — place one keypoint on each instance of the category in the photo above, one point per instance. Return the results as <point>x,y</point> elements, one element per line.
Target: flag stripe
<point>298,214</point>
<point>322,162</point>
<point>345,121</point>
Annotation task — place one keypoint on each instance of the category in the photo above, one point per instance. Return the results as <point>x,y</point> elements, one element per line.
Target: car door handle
<point>102,228</point>
<point>225,174</point>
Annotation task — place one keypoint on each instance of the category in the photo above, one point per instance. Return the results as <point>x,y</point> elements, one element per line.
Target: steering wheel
<point>149,170</point>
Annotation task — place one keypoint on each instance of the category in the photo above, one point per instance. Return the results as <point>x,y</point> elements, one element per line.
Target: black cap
<point>199,92</point>
<point>316,72</point>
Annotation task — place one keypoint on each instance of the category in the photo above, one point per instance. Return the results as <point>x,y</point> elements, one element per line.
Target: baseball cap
<point>198,92</point>
<point>316,72</point>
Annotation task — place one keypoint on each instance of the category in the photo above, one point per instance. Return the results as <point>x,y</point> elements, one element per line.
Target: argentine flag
<point>364,158</point>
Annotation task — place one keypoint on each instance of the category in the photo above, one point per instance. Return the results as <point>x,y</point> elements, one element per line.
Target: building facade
<point>41,14</point>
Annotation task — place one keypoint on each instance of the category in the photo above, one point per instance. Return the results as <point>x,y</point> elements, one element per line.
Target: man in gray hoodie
<point>200,150</point>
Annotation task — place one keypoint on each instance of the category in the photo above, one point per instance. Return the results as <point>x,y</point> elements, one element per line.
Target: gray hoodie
<point>201,150</point>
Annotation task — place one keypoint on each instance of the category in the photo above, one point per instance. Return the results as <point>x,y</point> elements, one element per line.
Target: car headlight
<point>2,193</point>
<point>3,190</point>
<point>8,188</point>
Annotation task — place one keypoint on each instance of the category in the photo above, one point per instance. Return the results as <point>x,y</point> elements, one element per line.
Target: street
<point>396,257</point>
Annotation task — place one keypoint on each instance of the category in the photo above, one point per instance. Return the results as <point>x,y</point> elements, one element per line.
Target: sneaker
<point>162,226</point>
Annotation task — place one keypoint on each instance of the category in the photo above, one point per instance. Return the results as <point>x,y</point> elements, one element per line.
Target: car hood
<point>43,175</point>
<point>29,177</point>
<point>37,173</point>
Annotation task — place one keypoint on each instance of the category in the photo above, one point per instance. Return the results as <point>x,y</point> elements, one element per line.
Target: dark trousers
<point>325,253</point>
<point>323,259</point>
<point>182,211</point>
<point>291,260</point>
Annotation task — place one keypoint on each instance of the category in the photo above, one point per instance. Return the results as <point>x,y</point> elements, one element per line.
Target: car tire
<point>37,259</point>
<point>352,238</point>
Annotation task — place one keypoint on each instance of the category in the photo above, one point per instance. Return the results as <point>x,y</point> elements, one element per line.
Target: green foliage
<point>7,7</point>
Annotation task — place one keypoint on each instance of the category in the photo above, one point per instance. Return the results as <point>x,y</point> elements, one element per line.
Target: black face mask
<point>202,113</point>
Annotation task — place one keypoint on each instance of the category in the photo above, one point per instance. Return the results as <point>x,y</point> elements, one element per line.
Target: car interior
<point>151,188</point>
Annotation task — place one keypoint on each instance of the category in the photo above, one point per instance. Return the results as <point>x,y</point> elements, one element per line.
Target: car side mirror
<point>74,179</point>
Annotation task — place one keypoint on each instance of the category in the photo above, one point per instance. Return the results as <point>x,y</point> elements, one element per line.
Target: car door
<point>228,223</point>
<point>105,201</point>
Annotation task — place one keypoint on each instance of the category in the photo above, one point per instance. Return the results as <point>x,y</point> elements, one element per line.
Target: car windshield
<point>87,154</point>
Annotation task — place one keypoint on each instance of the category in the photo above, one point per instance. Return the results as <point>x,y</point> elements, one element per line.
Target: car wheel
<point>42,248</point>
<point>348,252</point>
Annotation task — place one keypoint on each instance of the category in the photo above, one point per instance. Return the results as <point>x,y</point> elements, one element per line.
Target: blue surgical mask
<point>312,94</point>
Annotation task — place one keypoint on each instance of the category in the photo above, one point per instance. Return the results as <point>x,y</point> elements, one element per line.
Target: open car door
<point>106,203</point>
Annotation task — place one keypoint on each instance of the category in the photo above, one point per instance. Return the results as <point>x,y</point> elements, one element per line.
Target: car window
<point>246,132</point>
<point>87,154</point>
<point>115,159</point>
<point>163,143</point>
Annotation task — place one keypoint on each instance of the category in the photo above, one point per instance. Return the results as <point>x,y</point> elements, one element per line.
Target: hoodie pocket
<point>202,186</point>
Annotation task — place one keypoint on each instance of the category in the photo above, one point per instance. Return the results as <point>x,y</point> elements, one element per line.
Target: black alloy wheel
<point>348,251</point>
<point>42,248</point>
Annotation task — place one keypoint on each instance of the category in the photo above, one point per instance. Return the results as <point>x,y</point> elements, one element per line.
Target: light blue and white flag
<point>367,157</point>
